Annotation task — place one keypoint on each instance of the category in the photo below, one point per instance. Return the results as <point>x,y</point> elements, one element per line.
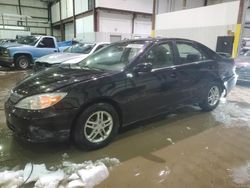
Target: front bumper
<point>48,125</point>
<point>6,61</point>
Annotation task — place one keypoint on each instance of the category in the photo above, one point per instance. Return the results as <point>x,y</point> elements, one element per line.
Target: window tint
<point>160,56</point>
<point>189,54</point>
<point>46,43</point>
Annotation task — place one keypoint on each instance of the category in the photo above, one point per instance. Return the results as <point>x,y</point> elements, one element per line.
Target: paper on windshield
<point>134,46</point>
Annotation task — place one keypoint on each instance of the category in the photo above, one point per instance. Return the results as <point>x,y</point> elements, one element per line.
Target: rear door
<point>193,66</point>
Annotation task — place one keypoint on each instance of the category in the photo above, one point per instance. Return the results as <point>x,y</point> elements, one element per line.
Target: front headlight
<point>5,52</point>
<point>41,101</point>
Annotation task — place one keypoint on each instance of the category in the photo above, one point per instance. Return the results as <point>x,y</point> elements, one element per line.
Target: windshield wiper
<point>90,68</point>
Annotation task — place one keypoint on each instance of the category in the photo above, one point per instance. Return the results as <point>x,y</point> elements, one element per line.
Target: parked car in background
<point>4,41</point>
<point>65,44</point>
<point>80,50</point>
<point>245,46</point>
<point>25,50</point>
<point>243,67</point>
<point>123,83</point>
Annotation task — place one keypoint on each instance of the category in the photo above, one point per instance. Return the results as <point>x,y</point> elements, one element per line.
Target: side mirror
<point>143,67</point>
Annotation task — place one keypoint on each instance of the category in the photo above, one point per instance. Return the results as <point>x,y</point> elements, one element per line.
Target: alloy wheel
<point>98,126</point>
<point>213,95</point>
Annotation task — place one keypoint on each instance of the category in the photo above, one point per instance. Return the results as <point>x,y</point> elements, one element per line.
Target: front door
<point>45,46</point>
<point>151,93</point>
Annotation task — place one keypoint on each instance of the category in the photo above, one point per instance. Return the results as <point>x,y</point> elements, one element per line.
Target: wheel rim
<point>98,126</point>
<point>213,96</point>
<point>23,63</point>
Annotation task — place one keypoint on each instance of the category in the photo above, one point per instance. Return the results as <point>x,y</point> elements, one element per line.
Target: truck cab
<point>26,50</point>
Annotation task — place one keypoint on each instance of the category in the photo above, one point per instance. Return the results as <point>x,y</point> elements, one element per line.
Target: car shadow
<point>138,139</point>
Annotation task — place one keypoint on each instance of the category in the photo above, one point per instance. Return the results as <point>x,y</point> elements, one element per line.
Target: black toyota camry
<point>121,84</point>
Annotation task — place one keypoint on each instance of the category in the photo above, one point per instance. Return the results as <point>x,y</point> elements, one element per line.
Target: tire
<point>89,126</point>
<point>212,97</point>
<point>22,62</point>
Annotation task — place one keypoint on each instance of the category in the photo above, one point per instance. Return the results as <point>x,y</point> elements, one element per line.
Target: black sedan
<point>121,84</point>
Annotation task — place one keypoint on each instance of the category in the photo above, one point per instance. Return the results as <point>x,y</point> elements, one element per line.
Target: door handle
<point>55,50</point>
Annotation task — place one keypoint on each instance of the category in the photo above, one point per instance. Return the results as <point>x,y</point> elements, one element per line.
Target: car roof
<point>156,40</point>
<point>99,43</point>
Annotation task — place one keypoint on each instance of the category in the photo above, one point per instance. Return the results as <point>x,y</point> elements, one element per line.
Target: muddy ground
<point>187,148</point>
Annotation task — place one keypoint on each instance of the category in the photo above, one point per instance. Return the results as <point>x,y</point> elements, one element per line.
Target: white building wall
<point>66,8</point>
<point>203,24</point>
<point>194,4</point>
<point>145,6</point>
<point>12,33</point>
<point>85,29</point>
<point>176,5</point>
<point>39,22</point>
<point>120,25</point>
<point>55,12</point>
<point>33,3</point>
<point>114,22</point>
<point>81,6</point>
<point>69,31</point>
<point>35,12</point>
<point>142,25</point>
<point>110,23</point>
<point>12,2</point>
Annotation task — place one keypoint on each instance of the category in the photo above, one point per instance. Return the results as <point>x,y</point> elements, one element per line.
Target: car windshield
<point>81,48</point>
<point>28,40</point>
<point>114,57</point>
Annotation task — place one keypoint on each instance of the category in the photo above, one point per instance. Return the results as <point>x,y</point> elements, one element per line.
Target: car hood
<point>55,78</point>
<point>56,58</point>
<point>242,61</point>
<point>12,45</point>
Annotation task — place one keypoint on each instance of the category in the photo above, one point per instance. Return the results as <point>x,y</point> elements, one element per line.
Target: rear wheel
<point>96,126</point>
<point>212,97</point>
<point>22,62</point>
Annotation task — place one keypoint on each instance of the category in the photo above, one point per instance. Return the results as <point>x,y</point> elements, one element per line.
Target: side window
<point>188,53</point>
<point>160,56</point>
<point>46,43</point>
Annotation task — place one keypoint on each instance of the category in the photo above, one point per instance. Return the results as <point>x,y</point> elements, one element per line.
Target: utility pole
<point>239,27</point>
<point>153,19</point>
<point>20,7</point>
<point>74,18</point>
<point>61,23</point>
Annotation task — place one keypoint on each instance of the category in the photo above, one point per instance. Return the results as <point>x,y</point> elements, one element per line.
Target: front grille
<point>244,73</point>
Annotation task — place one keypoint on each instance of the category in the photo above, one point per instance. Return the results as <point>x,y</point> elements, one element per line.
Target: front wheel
<point>212,97</point>
<point>22,62</point>
<point>96,126</point>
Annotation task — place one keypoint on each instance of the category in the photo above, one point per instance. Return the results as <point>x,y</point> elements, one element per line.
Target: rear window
<point>189,53</point>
